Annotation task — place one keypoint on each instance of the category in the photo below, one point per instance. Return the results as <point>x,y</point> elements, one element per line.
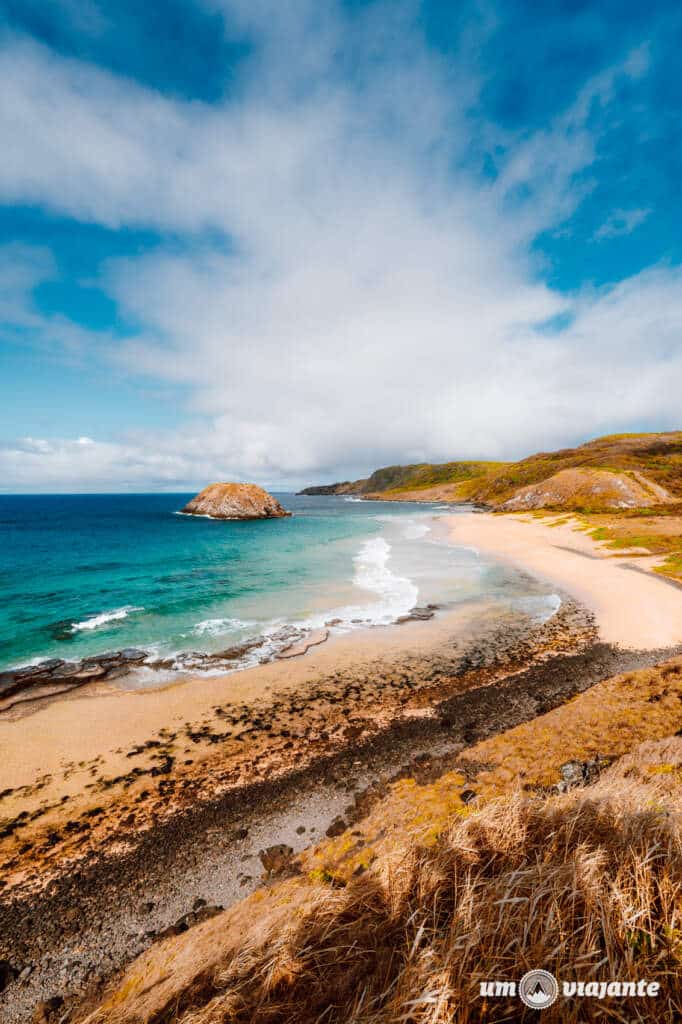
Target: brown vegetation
<point>586,884</point>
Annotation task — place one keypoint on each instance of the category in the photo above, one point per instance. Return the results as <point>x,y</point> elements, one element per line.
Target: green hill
<point>616,471</point>
<point>395,481</point>
<point>657,458</point>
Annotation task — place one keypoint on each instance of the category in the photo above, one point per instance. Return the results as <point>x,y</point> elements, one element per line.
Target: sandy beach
<point>171,792</point>
<point>148,802</point>
<point>634,608</point>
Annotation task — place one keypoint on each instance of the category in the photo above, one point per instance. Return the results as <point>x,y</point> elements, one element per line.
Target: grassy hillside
<point>425,475</point>
<point>391,481</point>
<point>479,875</point>
<point>658,457</point>
<point>639,464</point>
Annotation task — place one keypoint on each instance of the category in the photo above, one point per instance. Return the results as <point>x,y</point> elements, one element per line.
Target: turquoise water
<point>84,574</point>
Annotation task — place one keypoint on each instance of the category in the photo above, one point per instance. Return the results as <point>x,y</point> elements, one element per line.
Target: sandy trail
<point>634,607</point>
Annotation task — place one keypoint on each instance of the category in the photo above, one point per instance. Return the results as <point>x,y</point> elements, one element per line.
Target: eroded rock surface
<point>235,501</point>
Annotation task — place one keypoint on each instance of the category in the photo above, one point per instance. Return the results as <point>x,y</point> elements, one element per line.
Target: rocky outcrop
<point>235,501</point>
<point>55,676</point>
<point>580,773</point>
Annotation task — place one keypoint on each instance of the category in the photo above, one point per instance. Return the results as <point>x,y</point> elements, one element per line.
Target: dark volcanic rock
<point>131,654</point>
<point>579,773</point>
<point>276,859</point>
<point>337,828</point>
<point>419,614</point>
<point>7,974</point>
<point>187,921</point>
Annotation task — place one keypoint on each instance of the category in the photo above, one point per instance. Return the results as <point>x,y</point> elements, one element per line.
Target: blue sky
<point>293,242</point>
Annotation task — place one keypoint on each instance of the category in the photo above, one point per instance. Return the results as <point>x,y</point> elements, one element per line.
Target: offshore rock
<point>235,501</point>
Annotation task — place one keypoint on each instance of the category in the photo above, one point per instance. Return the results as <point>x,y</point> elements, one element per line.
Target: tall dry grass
<point>587,885</point>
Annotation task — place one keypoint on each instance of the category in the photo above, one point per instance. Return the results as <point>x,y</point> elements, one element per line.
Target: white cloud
<point>621,222</point>
<point>22,268</point>
<point>376,301</point>
<point>70,464</point>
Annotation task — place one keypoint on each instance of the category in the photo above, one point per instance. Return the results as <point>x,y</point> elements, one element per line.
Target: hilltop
<point>645,468</point>
<point>619,471</point>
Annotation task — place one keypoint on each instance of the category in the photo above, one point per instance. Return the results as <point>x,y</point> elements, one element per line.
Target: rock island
<point>235,501</point>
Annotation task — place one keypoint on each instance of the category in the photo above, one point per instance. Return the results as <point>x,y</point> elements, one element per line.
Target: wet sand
<point>102,723</point>
<point>634,607</point>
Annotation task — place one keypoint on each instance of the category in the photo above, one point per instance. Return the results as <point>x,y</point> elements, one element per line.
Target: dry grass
<point>660,534</point>
<point>610,719</point>
<point>587,885</point>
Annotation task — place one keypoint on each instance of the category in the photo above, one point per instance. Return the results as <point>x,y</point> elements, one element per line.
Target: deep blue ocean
<point>84,574</point>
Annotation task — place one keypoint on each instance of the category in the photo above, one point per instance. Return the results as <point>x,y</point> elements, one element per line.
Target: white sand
<point>634,607</point>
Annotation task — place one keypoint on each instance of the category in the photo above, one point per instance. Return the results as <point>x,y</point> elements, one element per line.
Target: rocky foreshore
<point>56,676</point>
<point>277,772</point>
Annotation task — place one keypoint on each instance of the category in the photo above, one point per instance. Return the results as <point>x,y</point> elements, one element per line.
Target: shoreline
<point>80,724</point>
<point>187,832</point>
<point>57,670</point>
<point>636,610</point>
<point>157,802</point>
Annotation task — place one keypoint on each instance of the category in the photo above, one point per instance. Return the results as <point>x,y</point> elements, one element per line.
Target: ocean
<point>84,574</point>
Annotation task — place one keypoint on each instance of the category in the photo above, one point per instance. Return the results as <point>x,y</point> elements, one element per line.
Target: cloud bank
<point>346,273</point>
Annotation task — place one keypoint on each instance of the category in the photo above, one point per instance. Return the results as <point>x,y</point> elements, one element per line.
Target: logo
<point>538,989</point>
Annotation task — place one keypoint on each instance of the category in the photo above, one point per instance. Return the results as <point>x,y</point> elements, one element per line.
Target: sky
<point>290,243</point>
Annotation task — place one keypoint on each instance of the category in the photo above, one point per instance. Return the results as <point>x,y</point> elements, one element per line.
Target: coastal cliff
<point>235,501</point>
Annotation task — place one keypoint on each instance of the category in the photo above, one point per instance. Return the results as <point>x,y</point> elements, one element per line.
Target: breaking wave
<point>95,621</point>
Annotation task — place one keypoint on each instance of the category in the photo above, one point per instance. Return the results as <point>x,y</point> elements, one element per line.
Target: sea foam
<point>216,627</point>
<point>415,530</point>
<point>397,593</point>
<point>95,621</point>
